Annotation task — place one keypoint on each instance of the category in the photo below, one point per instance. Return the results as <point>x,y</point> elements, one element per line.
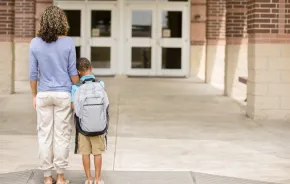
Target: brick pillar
<point>215,52</point>
<point>6,47</point>
<point>40,6</point>
<point>198,38</point>
<point>24,29</point>
<point>269,66</point>
<point>236,48</point>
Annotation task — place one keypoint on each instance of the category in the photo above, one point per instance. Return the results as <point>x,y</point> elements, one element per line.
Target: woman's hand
<point>34,102</point>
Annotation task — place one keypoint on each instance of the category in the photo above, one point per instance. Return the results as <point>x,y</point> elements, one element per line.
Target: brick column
<point>215,52</point>
<point>6,47</point>
<point>269,66</point>
<point>24,30</point>
<point>236,49</point>
<point>40,6</point>
<point>198,38</point>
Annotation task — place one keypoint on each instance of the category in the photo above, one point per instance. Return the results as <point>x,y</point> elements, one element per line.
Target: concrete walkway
<point>162,125</point>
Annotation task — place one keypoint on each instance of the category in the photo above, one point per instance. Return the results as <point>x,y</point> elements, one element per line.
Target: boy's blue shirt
<point>74,87</point>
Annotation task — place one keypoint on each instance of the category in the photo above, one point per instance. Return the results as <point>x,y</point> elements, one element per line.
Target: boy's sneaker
<point>89,182</point>
<point>99,182</point>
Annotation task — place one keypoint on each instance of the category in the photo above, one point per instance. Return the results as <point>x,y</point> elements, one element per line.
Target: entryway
<point>134,38</point>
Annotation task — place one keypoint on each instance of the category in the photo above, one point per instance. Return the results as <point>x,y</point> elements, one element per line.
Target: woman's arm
<point>33,75</point>
<point>33,85</point>
<point>75,79</point>
<point>72,68</point>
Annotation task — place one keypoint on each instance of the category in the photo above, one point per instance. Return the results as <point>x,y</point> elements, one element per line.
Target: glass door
<point>102,37</point>
<point>157,39</point>
<point>172,40</point>
<point>76,19</point>
<point>140,38</point>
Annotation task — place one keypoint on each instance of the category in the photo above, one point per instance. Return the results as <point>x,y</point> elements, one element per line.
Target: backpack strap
<point>77,136</point>
<point>90,79</point>
<point>78,84</point>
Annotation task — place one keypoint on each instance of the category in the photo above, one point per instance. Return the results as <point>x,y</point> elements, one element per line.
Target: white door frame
<point>139,42</point>
<point>156,42</point>
<point>121,56</point>
<point>182,42</point>
<point>111,41</point>
<point>79,41</point>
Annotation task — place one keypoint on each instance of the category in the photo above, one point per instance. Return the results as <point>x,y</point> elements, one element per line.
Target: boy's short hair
<point>83,64</point>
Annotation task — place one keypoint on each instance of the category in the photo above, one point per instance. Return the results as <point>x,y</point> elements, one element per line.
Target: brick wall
<point>24,19</point>
<point>269,67</point>
<point>263,17</point>
<point>236,19</point>
<point>287,17</point>
<point>6,20</point>
<point>216,13</point>
<point>198,22</point>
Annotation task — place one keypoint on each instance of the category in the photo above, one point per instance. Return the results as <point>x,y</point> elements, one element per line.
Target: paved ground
<point>167,125</point>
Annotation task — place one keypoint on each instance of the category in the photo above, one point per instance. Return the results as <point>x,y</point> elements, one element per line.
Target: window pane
<point>101,57</point>
<point>173,0</point>
<point>101,23</point>
<point>141,23</point>
<point>78,52</point>
<point>74,21</point>
<point>171,58</point>
<point>141,57</point>
<point>171,24</point>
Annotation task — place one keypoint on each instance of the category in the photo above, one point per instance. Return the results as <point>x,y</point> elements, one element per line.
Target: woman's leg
<point>62,132</point>
<point>45,131</point>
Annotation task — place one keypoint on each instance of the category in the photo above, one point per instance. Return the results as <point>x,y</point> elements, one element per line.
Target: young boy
<point>87,145</point>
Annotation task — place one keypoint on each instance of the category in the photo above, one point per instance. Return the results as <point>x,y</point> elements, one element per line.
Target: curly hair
<point>83,64</point>
<point>53,23</point>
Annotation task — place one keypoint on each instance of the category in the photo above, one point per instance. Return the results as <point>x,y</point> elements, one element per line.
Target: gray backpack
<point>91,107</point>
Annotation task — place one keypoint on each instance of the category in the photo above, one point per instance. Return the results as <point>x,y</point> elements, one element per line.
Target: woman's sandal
<point>63,182</point>
<point>50,182</point>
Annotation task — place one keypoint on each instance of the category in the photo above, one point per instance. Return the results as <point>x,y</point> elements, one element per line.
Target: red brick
<point>6,18</point>
<point>24,25</point>
<point>236,21</point>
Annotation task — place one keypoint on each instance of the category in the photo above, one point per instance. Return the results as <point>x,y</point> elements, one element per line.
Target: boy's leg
<point>98,167</point>
<point>87,167</point>
<point>98,147</point>
<point>85,148</point>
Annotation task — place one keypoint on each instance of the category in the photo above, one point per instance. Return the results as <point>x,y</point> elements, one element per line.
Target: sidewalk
<point>129,177</point>
<point>162,125</point>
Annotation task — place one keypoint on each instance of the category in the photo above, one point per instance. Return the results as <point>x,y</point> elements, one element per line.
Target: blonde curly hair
<point>53,23</point>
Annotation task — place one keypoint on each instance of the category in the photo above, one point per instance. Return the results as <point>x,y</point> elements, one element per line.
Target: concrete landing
<point>123,177</point>
<point>164,125</point>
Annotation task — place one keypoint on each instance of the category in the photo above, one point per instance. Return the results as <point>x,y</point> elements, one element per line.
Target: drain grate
<point>129,177</point>
<point>201,178</point>
<point>15,177</point>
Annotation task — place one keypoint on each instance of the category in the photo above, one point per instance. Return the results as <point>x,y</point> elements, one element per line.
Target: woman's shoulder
<point>35,39</point>
<point>66,39</point>
<point>35,43</point>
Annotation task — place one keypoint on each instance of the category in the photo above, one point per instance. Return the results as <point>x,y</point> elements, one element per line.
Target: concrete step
<point>128,177</point>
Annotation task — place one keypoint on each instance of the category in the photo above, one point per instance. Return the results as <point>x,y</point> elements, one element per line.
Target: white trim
<point>121,53</point>
<point>104,41</point>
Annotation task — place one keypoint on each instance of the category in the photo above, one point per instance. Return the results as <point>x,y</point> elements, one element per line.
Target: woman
<point>52,71</point>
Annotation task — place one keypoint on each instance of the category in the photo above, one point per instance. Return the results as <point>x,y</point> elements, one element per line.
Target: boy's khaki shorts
<point>91,145</point>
